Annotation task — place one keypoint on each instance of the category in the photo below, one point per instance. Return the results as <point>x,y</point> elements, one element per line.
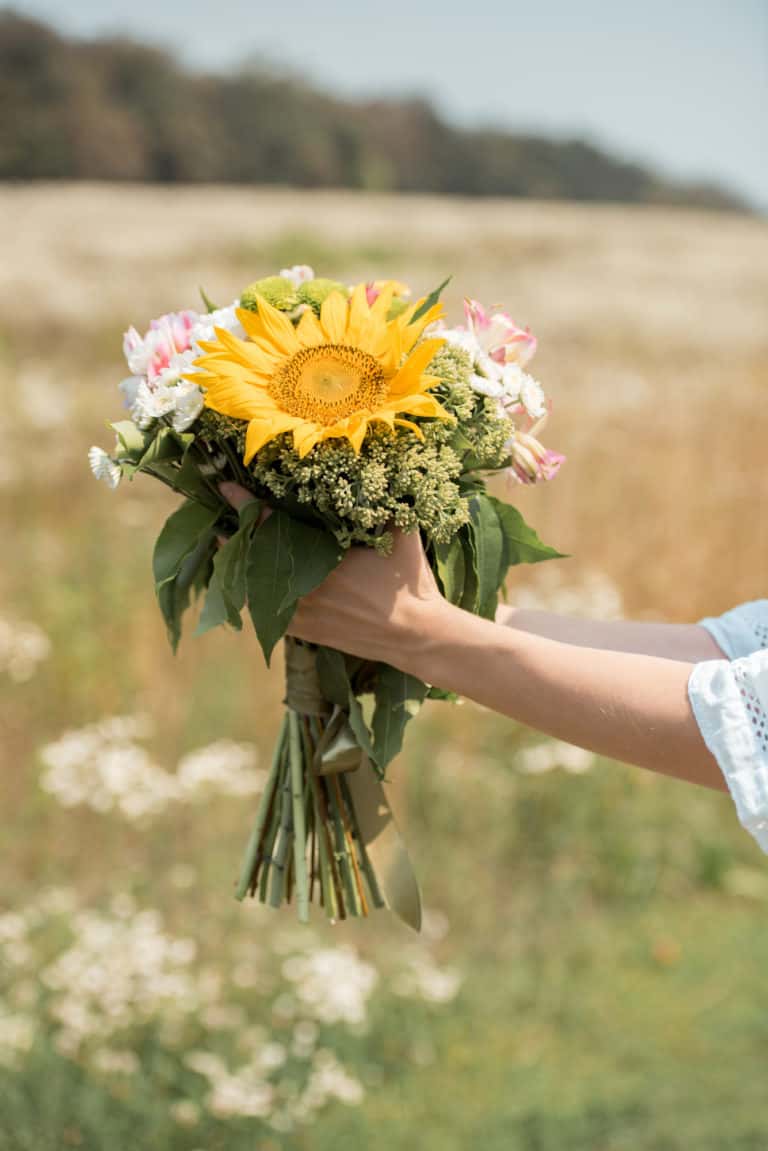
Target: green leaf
<point>335,684</point>
<point>333,676</point>
<point>360,730</point>
<point>450,568</point>
<point>398,699</point>
<point>287,559</point>
<point>521,543</point>
<point>229,564</point>
<point>441,694</point>
<point>469,596</point>
<point>208,303</point>
<point>179,537</point>
<point>174,594</point>
<point>430,301</point>
<point>488,550</point>
<point>218,609</point>
<point>133,440</point>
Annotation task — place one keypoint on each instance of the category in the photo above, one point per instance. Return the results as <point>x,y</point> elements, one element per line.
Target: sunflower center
<point>327,383</point>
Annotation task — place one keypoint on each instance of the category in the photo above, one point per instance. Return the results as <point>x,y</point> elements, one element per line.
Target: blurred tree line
<point>115,109</point>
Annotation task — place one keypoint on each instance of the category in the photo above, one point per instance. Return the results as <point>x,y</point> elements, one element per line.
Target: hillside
<point>115,109</point>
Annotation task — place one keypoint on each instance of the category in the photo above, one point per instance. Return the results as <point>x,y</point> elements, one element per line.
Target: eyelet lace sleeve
<point>740,631</point>
<point>730,703</point>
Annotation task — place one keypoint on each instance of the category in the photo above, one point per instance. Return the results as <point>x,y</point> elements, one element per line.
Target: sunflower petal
<point>357,426</point>
<point>246,352</point>
<point>383,302</point>
<point>261,431</point>
<point>413,427</point>
<point>271,326</point>
<point>241,402</point>
<point>410,378</point>
<point>334,313</point>
<point>412,330</point>
<point>359,313</point>
<point>305,436</point>
<point>418,404</point>
<point>308,330</point>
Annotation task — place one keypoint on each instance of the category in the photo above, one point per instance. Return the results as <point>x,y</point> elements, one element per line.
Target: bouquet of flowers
<point>347,412</point>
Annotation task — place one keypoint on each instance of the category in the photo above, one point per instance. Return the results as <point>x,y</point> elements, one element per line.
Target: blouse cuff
<point>734,725</point>
<point>741,630</point>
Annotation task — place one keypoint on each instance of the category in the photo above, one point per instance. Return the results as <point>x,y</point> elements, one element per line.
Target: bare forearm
<point>686,641</point>
<point>627,706</point>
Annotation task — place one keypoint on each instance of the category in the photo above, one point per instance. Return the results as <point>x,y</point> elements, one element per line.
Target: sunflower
<point>327,377</point>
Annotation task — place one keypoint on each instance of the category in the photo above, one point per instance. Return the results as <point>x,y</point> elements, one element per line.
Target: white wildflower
<point>553,754</point>
<point>185,1112</point>
<point>101,767</point>
<point>17,1034</point>
<point>23,646</point>
<point>224,767</point>
<point>328,1080</point>
<point>333,983</point>
<point>104,467</point>
<point>117,973</point>
<point>423,979</point>
<point>113,1062</point>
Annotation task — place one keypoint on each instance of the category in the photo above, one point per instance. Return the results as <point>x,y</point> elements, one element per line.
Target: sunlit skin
<point>618,689</point>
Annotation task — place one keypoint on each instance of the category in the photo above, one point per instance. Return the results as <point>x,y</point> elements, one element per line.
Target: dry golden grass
<point>652,327</point>
<point>581,907</point>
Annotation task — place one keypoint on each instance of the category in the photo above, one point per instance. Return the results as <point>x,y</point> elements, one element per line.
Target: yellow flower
<point>324,378</point>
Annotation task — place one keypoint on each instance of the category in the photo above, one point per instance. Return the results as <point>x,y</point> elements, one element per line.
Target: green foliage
<point>181,561</point>
<point>487,551</point>
<point>398,699</point>
<point>521,543</point>
<point>431,300</point>
<point>286,560</point>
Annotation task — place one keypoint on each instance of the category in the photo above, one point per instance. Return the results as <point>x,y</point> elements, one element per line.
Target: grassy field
<point>592,974</point>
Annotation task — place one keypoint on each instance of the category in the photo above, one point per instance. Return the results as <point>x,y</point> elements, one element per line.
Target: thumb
<point>236,494</point>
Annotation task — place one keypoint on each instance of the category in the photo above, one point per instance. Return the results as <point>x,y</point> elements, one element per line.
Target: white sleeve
<point>741,630</point>
<point>730,703</point>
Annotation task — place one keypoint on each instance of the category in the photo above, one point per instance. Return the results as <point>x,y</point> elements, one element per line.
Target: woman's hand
<point>377,607</point>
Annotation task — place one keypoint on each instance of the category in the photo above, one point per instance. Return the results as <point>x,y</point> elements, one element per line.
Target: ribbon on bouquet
<point>338,751</point>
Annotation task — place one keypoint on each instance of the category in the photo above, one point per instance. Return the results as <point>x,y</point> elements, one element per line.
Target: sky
<point>682,84</point>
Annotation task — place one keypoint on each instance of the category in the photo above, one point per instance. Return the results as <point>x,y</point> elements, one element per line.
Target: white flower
<point>224,767</point>
<point>185,1112</point>
<point>22,647</point>
<point>298,274</point>
<point>170,395</point>
<point>552,754</point>
<point>113,1062</point>
<point>17,1034</point>
<point>332,983</point>
<point>129,387</point>
<point>487,374</point>
<point>487,377</point>
<point>523,390</point>
<point>189,404</point>
<point>220,318</point>
<point>104,467</point>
